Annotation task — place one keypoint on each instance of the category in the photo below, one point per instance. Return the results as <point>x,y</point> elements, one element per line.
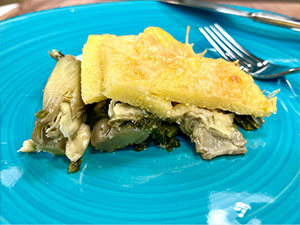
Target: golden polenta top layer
<point>152,69</point>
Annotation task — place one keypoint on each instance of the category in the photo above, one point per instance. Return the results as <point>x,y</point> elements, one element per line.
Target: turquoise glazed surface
<point>153,186</point>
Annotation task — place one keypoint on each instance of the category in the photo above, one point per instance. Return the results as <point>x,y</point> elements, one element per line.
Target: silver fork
<point>230,50</point>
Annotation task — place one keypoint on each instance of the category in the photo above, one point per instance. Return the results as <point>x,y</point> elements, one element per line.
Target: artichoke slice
<point>213,132</point>
<point>60,126</point>
<point>127,125</point>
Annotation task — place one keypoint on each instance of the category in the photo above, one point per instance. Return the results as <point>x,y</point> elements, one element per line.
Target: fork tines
<point>228,48</point>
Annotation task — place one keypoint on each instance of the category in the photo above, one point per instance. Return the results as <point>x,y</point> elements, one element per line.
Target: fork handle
<point>283,21</point>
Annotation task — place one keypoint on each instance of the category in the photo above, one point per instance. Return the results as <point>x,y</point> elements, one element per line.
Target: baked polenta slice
<point>93,61</point>
<point>153,70</point>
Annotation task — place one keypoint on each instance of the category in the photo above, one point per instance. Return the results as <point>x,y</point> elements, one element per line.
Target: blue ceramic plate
<point>153,186</point>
